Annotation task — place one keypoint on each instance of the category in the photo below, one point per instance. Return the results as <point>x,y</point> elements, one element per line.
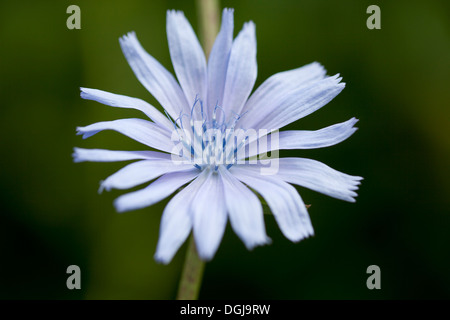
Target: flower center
<point>208,142</point>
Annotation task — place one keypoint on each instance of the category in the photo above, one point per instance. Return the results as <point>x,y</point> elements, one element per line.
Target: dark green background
<point>397,85</point>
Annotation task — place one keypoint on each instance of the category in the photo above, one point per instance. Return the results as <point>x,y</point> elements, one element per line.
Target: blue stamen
<point>214,143</point>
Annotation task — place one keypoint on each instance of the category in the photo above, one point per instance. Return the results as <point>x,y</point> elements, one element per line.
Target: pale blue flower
<point>213,100</point>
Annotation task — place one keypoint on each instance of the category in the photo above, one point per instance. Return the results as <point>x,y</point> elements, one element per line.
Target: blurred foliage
<point>397,85</point>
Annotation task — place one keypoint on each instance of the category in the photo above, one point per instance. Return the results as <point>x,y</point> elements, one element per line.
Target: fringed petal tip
<point>82,92</point>
<point>252,245</point>
<point>87,93</point>
<point>81,131</point>
<point>102,187</point>
<point>128,36</point>
<point>128,41</point>
<point>161,259</point>
<point>302,237</point>
<point>227,14</point>
<point>296,237</point>
<point>335,80</point>
<point>308,231</point>
<point>249,24</point>
<point>175,13</point>
<point>228,10</point>
<point>352,121</point>
<point>317,67</point>
<point>77,158</point>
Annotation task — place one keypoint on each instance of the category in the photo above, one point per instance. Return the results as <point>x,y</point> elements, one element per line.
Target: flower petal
<point>276,88</point>
<point>302,139</point>
<point>117,100</point>
<point>313,175</point>
<point>176,221</point>
<point>278,85</point>
<point>209,216</point>
<point>329,136</point>
<point>294,105</point>
<point>284,201</point>
<point>241,72</point>
<point>155,192</point>
<point>101,155</point>
<point>139,172</point>
<point>245,211</point>
<point>153,76</point>
<point>187,56</point>
<point>142,131</point>
<point>319,177</point>
<point>218,61</point>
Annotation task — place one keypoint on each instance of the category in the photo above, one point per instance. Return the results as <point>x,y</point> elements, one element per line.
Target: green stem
<point>208,12</point>
<point>191,277</point>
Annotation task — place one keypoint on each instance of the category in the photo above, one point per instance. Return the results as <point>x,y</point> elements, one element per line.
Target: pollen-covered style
<point>210,138</point>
